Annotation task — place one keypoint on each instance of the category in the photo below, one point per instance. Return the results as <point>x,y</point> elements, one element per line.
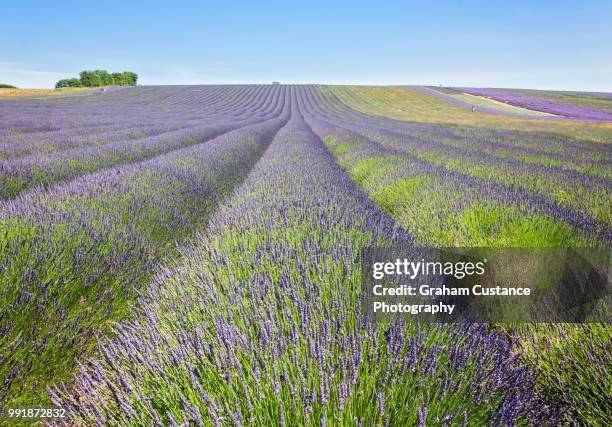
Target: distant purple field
<point>435,93</point>
<point>539,104</point>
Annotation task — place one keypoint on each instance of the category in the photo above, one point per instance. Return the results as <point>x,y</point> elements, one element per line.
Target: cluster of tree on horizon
<point>5,86</point>
<point>99,78</point>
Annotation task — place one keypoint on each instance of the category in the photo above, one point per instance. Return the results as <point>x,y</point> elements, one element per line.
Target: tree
<point>118,79</point>
<point>68,83</point>
<point>89,79</point>
<point>105,78</point>
<point>129,78</point>
<point>98,78</point>
<point>5,86</point>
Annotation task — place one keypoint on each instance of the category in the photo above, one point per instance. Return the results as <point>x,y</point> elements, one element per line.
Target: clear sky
<point>530,44</point>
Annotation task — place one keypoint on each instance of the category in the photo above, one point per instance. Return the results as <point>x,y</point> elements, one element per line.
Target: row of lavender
<point>41,115</point>
<point>134,107</point>
<point>117,122</point>
<point>73,257</point>
<point>258,323</point>
<point>45,169</point>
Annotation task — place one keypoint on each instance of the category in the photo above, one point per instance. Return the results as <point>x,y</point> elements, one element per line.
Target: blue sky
<point>531,44</point>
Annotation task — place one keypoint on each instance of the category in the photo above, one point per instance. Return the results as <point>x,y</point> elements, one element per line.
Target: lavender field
<point>189,255</point>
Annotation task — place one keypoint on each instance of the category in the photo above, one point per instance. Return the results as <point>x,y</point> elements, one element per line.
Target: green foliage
<point>5,86</point>
<point>573,362</point>
<point>126,78</point>
<point>118,79</point>
<point>454,218</point>
<point>89,79</point>
<point>99,78</point>
<point>401,191</point>
<point>130,78</point>
<point>104,77</point>
<point>74,82</point>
